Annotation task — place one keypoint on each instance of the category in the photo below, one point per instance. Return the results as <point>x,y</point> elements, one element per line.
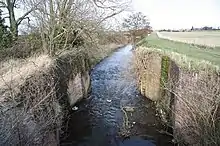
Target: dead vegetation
<point>34,98</point>
<point>197,108</point>
<point>65,39</point>
<point>34,94</point>
<point>189,98</point>
<point>25,119</point>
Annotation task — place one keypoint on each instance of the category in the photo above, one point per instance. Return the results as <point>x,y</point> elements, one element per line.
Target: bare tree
<point>136,21</point>
<point>138,26</point>
<point>10,6</point>
<point>68,23</point>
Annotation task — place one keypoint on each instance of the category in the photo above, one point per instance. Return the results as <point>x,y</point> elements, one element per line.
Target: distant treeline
<point>205,28</point>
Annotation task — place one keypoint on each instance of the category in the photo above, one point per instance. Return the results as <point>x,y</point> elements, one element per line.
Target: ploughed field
<point>208,38</point>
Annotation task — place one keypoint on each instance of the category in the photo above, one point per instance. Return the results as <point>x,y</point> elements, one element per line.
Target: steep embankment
<point>37,94</point>
<point>184,88</point>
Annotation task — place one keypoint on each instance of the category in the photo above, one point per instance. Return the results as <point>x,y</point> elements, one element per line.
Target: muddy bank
<point>185,93</point>
<point>115,113</point>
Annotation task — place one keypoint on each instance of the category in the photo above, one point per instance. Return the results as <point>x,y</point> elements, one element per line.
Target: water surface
<point>100,121</point>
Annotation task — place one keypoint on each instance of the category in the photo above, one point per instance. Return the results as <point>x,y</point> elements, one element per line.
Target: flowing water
<point>115,114</point>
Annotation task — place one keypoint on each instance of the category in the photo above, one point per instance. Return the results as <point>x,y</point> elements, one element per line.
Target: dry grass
<point>34,94</point>
<point>13,73</point>
<point>208,38</point>
<point>193,111</point>
<point>30,110</point>
<point>34,98</point>
<point>197,108</point>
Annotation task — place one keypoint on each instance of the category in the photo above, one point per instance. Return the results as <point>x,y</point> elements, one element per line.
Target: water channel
<point>115,114</point>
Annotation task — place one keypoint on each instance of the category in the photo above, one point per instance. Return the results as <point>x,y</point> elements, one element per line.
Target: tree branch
<point>6,17</point>
<point>13,2</point>
<point>3,5</point>
<point>24,16</point>
<point>109,16</point>
<point>98,2</point>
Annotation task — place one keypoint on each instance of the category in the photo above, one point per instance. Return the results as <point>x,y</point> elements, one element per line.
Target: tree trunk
<point>13,22</point>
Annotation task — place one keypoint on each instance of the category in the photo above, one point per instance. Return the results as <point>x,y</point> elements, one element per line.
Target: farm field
<point>211,54</point>
<point>207,38</point>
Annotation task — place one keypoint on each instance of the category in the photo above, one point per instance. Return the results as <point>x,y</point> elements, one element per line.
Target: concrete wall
<point>41,98</point>
<point>150,76</point>
<point>186,99</point>
<point>79,87</point>
<point>156,72</point>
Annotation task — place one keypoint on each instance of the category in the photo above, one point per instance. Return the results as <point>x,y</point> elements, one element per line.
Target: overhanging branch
<point>109,16</point>
<point>24,16</point>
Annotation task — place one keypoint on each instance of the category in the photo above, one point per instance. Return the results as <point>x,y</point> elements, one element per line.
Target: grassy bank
<point>188,89</point>
<point>211,54</point>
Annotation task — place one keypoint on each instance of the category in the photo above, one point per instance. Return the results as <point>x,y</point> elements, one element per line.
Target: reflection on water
<point>99,118</point>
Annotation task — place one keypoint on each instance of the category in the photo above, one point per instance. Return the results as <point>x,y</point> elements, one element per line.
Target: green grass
<point>194,51</point>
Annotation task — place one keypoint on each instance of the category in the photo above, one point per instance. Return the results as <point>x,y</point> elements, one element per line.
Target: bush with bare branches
<point>34,98</point>
<point>187,97</point>
<point>34,92</point>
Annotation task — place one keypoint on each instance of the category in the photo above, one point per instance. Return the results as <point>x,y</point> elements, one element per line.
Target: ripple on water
<point>100,118</point>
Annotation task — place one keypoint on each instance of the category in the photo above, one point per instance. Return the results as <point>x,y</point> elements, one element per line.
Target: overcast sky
<point>176,14</point>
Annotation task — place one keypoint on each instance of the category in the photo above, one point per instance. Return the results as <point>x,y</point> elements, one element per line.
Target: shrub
<point>5,36</point>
